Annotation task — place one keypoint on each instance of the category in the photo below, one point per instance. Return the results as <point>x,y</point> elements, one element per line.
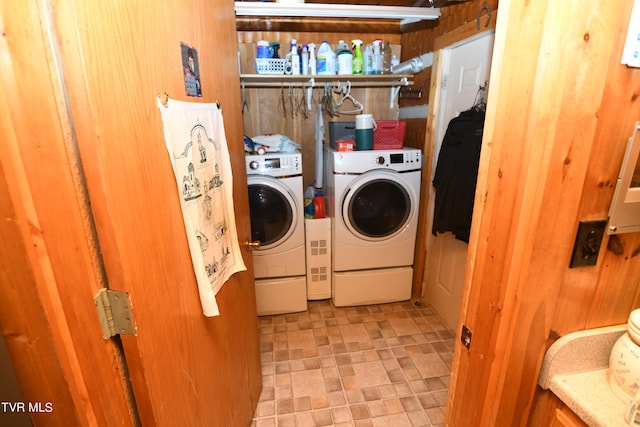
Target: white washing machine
<point>373,199</point>
<point>277,222</point>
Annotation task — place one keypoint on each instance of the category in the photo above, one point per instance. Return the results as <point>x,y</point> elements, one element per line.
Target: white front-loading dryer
<point>373,200</point>
<point>277,222</point>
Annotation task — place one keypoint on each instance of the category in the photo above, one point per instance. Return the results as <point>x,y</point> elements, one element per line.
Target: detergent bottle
<point>309,208</point>
<point>319,209</point>
<point>326,62</point>
<point>358,61</point>
<point>344,58</point>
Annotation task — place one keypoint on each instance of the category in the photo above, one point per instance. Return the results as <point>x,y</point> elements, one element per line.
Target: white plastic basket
<point>270,65</point>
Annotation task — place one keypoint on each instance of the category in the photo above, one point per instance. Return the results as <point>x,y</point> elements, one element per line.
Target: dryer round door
<point>377,206</point>
<point>272,209</point>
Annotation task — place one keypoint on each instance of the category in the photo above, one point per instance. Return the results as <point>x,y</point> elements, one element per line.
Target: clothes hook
<point>164,99</point>
<point>488,9</point>
<point>244,97</point>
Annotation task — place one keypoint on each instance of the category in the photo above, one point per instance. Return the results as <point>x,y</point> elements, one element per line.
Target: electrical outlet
<point>588,242</point>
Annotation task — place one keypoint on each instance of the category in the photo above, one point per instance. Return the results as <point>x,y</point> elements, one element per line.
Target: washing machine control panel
<point>274,164</point>
<point>362,161</point>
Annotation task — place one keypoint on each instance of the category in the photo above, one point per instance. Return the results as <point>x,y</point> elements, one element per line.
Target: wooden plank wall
<point>420,41</point>
<point>561,108</point>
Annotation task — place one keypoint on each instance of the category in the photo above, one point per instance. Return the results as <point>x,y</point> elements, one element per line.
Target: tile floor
<point>377,365</point>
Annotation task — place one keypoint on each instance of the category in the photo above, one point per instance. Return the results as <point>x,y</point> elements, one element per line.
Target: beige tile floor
<point>376,365</point>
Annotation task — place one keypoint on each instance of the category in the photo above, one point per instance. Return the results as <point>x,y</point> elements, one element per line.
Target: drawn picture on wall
<point>191,70</point>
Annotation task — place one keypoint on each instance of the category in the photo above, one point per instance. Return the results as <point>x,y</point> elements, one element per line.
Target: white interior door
<point>466,66</point>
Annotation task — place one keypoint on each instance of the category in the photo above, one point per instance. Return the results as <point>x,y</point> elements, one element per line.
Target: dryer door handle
<point>251,245</point>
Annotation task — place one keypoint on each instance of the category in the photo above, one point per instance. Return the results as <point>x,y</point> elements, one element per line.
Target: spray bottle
<point>305,60</point>
<point>295,59</point>
<point>312,59</point>
<point>377,57</point>
<point>358,61</point>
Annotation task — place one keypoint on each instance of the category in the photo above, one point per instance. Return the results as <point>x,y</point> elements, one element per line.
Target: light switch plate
<point>587,245</point>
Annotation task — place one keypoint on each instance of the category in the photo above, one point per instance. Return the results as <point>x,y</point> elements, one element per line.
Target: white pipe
<point>414,65</point>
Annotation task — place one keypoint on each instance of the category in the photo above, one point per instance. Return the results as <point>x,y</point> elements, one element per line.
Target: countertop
<point>576,370</point>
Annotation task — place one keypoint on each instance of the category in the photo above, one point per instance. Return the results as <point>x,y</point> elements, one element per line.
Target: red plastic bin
<point>389,134</point>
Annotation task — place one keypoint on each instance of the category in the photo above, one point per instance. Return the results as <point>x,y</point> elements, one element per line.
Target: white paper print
<point>196,142</point>
<point>631,52</point>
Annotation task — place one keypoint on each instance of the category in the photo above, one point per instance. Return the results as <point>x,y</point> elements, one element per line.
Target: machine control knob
<point>380,160</point>
<point>253,165</point>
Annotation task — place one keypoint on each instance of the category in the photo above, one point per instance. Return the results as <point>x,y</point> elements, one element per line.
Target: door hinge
<point>114,313</point>
<point>465,337</point>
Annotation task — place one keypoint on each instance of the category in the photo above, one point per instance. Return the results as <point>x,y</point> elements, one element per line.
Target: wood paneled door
<point>88,200</point>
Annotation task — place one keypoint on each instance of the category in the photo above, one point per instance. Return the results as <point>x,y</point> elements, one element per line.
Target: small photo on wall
<point>191,70</point>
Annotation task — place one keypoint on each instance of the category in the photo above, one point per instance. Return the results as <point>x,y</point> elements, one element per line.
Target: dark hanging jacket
<point>456,174</point>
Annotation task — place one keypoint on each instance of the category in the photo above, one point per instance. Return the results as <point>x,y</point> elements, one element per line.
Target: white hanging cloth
<point>197,146</point>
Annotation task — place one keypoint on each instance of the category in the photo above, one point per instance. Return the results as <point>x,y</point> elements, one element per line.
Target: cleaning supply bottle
<point>394,62</point>
<point>312,59</point>
<point>376,67</point>
<point>295,59</point>
<point>385,50</point>
<point>358,60</point>
<point>309,195</point>
<point>326,62</point>
<point>344,58</point>
<point>275,47</point>
<point>304,64</point>
<point>341,46</point>
<point>368,59</point>
<point>319,205</point>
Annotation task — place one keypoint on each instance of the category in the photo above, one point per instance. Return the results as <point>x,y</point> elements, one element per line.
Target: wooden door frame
<point>542,170</point>
<point>443,56</point>
<point>454,408</point>
<point>464,32</point>
<point>50,268</point>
